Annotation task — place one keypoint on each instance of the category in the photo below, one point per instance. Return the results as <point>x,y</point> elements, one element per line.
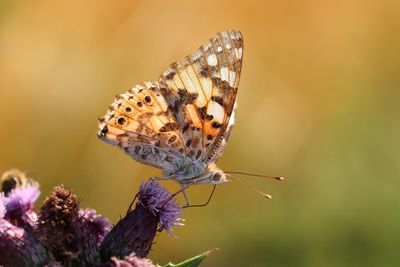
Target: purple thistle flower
<point>160,202</point>
<point>2,207</point>
<point>131,261</point>
<point>19,205</point>
<point>155,210</point>
<point>22,199</point>
<point>98,225</point>
<point>64,234</point>
<point>18,247</point>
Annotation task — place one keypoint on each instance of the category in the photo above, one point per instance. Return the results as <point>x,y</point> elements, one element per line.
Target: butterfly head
<point>217,176</point>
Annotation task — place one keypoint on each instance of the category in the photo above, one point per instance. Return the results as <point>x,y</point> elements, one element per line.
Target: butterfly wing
<point>140,123</point>
<point>201,90</point>
<point>187,114</point>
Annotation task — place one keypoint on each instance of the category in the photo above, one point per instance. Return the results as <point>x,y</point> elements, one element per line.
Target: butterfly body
<point>181,123</point>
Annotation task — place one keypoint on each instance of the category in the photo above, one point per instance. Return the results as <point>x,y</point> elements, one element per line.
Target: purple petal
<point>22,199</point>
<point>2,207</point>
<point>160,202</point>
<point>98,225</point>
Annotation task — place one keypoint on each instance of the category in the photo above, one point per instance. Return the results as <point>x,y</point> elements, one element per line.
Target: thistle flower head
<point>21,200</point>
<point>59,228</point>
<point>98,225</point>
<point>19,196</point>
<point>2,207</point>
<point>63,234</point>
<point>61,207</point>
<point>160,202</point>
<point>155,210</point>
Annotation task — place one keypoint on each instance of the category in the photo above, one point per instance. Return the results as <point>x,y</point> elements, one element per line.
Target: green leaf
<point>193,262</point>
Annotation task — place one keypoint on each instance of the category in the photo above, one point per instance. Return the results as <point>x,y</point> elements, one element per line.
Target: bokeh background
<point>318,103</point>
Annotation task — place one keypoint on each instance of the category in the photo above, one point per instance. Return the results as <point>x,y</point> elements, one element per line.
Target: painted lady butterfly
<point>181,123</point>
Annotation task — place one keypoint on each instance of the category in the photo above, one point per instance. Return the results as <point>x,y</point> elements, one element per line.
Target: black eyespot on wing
<point>216,125</point>
<point>202,112</point>
<point>185,128</point>
<point>209,117</point>
<point>121,121</point>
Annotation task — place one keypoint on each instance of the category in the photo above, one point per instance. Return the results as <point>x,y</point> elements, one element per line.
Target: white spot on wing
<point>237,53</point>
<point>232,78</point>
<point>225,74</point>
<point>228,76</point>
<point>212,60</point>
<point>216,110</point>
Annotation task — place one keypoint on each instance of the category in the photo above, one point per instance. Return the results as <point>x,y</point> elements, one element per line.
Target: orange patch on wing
<point>192,115</point>
<point>209,130</point>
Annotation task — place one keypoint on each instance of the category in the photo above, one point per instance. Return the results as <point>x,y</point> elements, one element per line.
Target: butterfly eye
<point>216,177</point>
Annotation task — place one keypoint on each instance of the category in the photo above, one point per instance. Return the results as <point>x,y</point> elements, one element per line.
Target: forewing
<point>201,91</point>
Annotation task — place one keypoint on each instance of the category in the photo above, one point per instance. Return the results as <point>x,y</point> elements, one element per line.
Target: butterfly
<point>181,122</point>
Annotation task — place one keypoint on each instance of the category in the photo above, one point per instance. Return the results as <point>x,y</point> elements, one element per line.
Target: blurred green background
<point>318,104</point>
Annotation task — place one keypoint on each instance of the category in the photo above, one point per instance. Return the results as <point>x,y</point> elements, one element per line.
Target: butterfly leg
<point>161,178</point>
<point>201,205</point>
<point>184,194</point>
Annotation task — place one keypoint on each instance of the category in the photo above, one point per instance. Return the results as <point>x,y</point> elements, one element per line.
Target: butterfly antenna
<point>268,196</point>
<point>279,178</point>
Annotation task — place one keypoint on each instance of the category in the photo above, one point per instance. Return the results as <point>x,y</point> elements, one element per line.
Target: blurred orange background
<point>318,104</point>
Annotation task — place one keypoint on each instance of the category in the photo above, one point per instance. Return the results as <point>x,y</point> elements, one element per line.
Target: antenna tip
<point>266,196</point>
<point>280,178</point>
